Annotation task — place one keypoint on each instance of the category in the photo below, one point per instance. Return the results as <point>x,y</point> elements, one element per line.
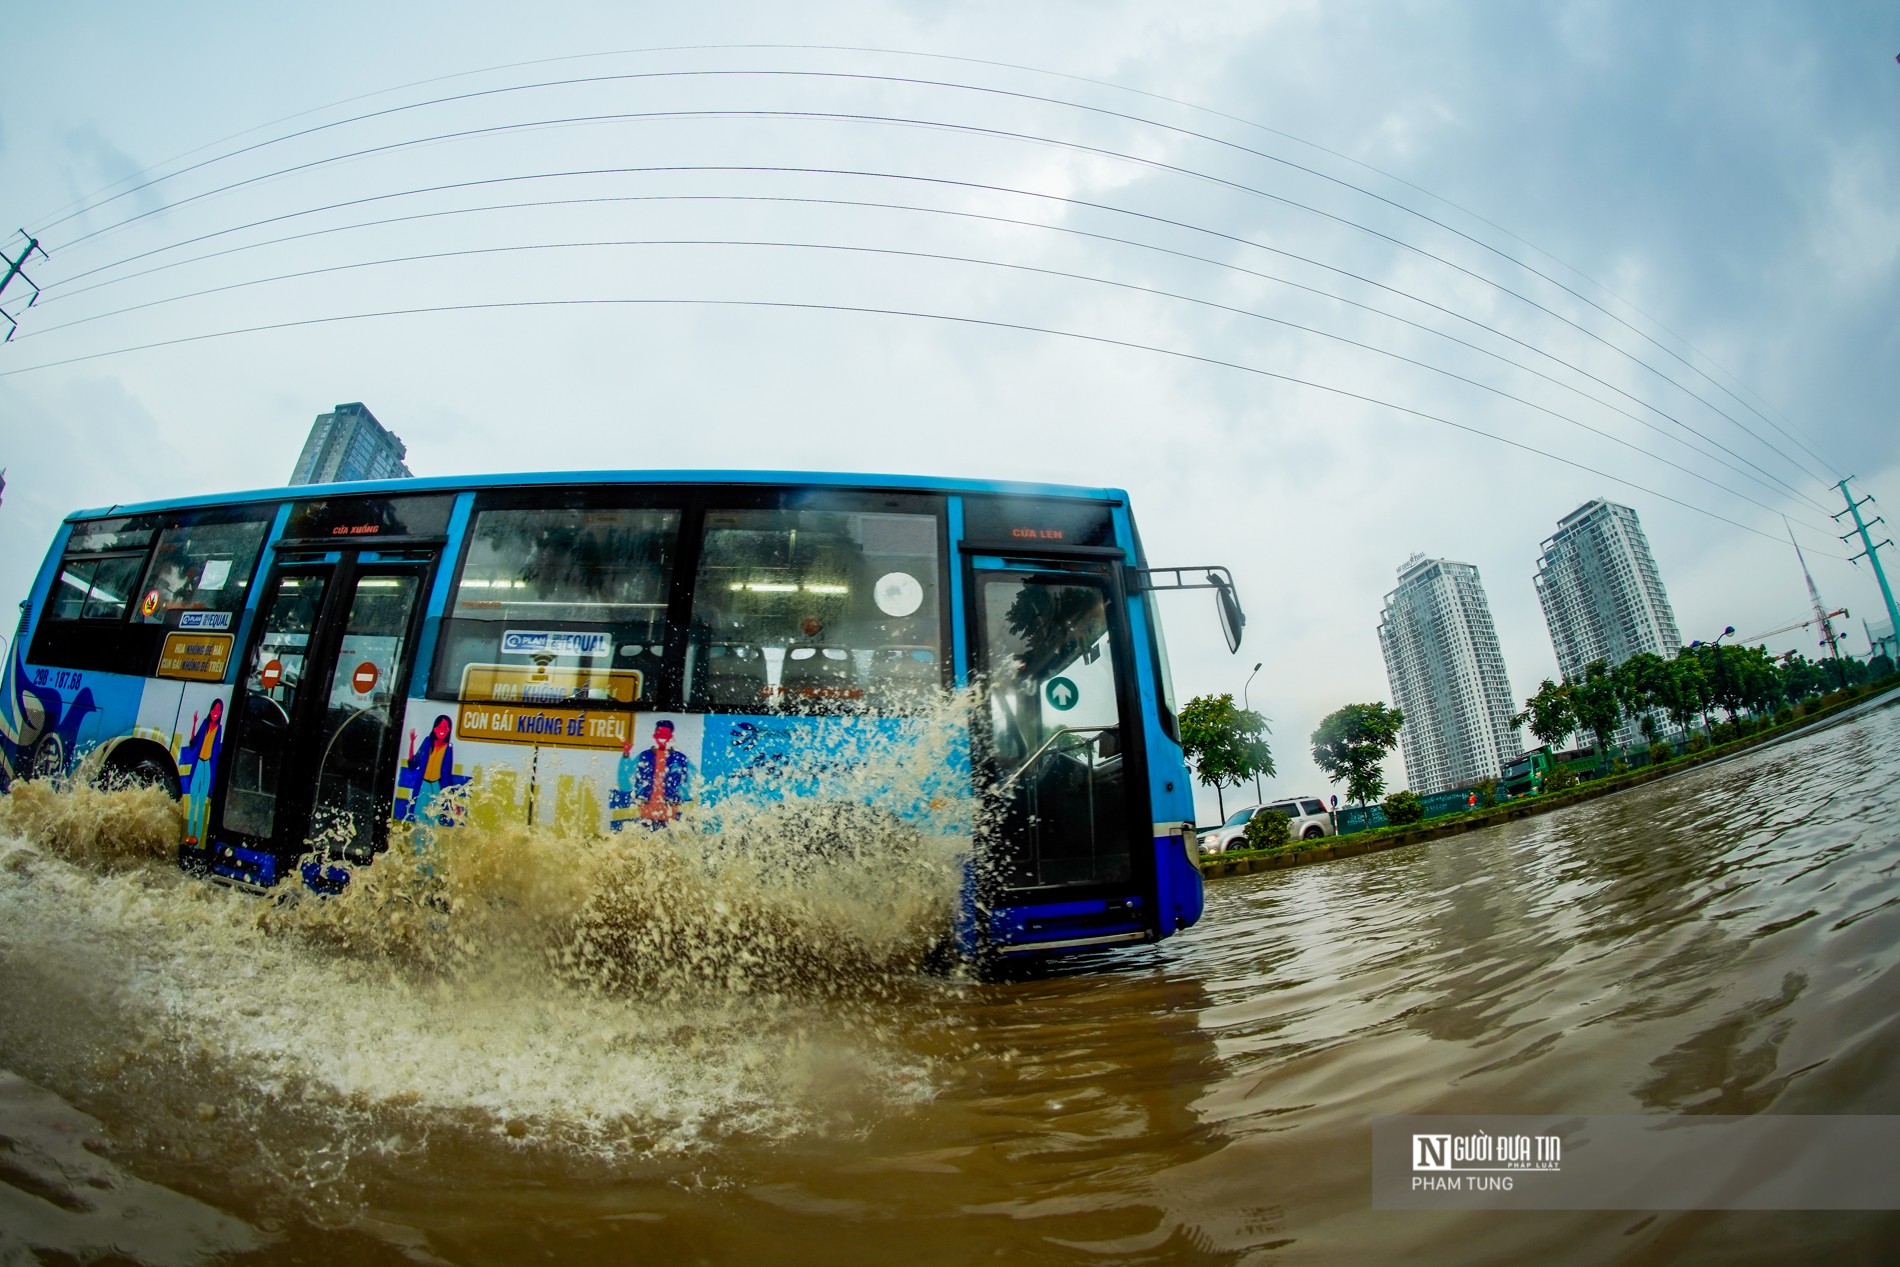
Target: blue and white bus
<point>349,663</point>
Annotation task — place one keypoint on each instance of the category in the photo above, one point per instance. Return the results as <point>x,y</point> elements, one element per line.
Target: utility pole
<point>14,266</point>
<point>1869,550</point>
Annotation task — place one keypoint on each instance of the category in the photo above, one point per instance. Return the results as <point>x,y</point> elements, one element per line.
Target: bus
<point>317,670</point>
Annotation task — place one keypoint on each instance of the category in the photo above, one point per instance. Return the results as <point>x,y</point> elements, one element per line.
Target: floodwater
<point>691,1069</point>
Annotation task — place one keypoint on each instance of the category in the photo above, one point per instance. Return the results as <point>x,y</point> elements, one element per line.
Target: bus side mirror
<point>1233,621</point>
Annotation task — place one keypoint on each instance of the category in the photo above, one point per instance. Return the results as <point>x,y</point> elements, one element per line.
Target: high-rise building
<point>349,444</point>
<point>1602,596</point>
<point>1447,676</point>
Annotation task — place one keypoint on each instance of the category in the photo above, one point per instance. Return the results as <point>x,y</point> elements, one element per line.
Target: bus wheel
<point>140,769</point>
<point>151,772</point>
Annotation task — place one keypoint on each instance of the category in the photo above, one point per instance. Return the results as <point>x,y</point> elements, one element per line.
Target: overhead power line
<point>895,252</point>
<point>1156,248</point>
<point>986,322</point>
<point>947,182</point>
<point>1099,110</point>
<point>965,129</point>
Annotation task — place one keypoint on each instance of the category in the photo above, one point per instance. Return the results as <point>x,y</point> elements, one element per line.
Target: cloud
<point>96,165</point>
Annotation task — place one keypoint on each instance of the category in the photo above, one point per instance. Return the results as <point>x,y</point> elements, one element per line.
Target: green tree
<point>1402,809</point>
<point>1801,678</point>
<point>1642,681</point>
<point>1226,745</point>
<point>1598,706</point>
<point>1685,690</point>
<point>1350,745</point>
<point>1727,670</point>
<point>1760,680</point>
<point>1549,713</point>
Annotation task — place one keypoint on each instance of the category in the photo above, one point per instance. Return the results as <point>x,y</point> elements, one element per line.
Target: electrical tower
<point>14,266</point>
<point>1869,550</point>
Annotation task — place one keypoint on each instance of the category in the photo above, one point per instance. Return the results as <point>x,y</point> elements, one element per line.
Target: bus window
<point>85,622</point>
<point>579,590</point>
<point>99,569</point>
<point>95,589</point>
<point>200,567</point>
<point>819,611</point>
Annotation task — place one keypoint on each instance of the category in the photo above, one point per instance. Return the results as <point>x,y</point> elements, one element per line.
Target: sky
<point>1320,285</point>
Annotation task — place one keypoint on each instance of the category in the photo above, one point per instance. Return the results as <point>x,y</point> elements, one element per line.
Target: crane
<point>1799,624</point>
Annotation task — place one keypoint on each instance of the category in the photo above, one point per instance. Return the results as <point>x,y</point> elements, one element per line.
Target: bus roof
<point>458,483</point>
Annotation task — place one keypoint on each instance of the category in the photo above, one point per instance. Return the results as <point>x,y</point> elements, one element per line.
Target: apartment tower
<point>348,444</point>
<point>1447,676</point>
<point>1602,596</point>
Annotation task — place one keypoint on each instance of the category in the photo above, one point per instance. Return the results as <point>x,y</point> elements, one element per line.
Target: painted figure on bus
<point>657,782</point>
<point>198,767</point>
<point>433,768</point>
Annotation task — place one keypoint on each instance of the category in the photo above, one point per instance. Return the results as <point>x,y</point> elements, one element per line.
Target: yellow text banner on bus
<point>563,727</point>
<point>195,657</point>
<point>533,684</point>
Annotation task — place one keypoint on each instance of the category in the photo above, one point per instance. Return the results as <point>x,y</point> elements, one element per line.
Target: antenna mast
<point>1828,637</point>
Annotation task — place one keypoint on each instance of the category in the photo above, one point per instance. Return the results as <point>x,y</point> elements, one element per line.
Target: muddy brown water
<point>196,1079</point>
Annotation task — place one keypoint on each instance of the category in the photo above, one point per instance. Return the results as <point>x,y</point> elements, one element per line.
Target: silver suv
<point>1306,815</point>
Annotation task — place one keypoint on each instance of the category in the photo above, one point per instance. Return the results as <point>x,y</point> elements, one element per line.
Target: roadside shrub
<point>1487,790</point>
<point>1402,809</point>
<point>1267,831</point>
<point>1660,752</point>
<point>1784,715</point>
<point>1619,766</point>
<point>1561,779</point>
<point>1698,742</point>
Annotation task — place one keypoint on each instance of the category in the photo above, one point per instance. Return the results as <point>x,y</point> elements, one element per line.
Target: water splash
<point>831,889</point>
<point>750,973</point>
<point>110,828</point>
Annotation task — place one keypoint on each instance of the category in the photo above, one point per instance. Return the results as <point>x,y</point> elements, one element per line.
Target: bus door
<point>1059,744</point>
<point>311,755</point>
